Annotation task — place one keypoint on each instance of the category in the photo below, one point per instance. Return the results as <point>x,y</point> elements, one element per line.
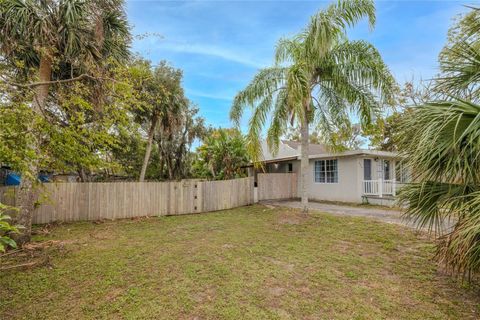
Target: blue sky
<point>221,44</point>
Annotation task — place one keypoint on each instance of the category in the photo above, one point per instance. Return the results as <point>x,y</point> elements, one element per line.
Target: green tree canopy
<point>161,100</point>
<point>49,47</point>
<point>222,155</point>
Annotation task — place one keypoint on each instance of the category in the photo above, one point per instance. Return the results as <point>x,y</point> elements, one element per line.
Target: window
<point>326,171</point>
<point>367,169</point>
<point>290,167</point>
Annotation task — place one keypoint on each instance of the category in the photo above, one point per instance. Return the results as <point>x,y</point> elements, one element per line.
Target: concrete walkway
<point>385,215</point>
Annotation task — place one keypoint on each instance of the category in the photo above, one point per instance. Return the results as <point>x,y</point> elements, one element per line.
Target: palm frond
<point>361,63</point>
<point>328,26</point>
<point>460,66</point>
<point>441,142</point>
<point>257,122</point>
<point>448,149</point>
<point>264,84</point>
<point>288,50</point>
<point>278,125</point>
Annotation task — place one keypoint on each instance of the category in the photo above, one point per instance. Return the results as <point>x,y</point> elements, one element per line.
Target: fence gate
<point>272,186</point>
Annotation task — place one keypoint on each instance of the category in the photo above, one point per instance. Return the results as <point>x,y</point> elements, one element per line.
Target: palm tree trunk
<point>26,193</point>
<point>304,162</point>
<point>149,148</point>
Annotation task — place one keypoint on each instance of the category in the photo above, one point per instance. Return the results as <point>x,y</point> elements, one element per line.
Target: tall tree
<point>161,95</point>
<point>319,78</point>
<point>175,135</point>
<point>49,43</point>
<point>441,143</point>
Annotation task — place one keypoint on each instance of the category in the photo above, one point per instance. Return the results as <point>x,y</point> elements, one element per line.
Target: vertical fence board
<point>94,201</point>
<point>277,186</point>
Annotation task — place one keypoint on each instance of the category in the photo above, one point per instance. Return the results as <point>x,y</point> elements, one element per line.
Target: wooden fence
<point>117,200</point>
<point>277,186</point>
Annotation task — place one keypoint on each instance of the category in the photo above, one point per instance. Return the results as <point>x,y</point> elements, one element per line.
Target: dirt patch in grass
<point>282,264</point>
<point>292,217</point>
<point>33,255</point>
<point>276,291</point>
<point>247,263</point>
<point>113,294</point>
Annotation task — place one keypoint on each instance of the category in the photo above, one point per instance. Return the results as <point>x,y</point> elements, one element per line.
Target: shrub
<point>6,229</point>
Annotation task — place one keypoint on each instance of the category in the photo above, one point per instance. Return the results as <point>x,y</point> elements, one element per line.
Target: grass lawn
<point>247,263</point>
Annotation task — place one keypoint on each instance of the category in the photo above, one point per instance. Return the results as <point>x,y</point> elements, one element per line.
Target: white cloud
<point>213,51</point>
<point>209,95</point>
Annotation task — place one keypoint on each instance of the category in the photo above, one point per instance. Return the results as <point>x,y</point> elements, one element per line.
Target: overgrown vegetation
<point>56,58</point>
<point>248,263</point>
<point>222,155</point>
<point>165,124</point>
<point>441,142</point>
<point>75,100</point>
<point>6,229</point>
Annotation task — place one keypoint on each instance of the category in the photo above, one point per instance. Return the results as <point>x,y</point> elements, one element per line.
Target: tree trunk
<point>26,193</point>
<point>149,148</point>
<point>161,164</point>
<point>26,200</point>
<point>170,169</point>
<point>41,92</point>
<point>304,162</point>
<point>82,174</point>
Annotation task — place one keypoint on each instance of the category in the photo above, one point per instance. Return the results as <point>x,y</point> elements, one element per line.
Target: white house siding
<point>347,189</point>
<point>350,178</point>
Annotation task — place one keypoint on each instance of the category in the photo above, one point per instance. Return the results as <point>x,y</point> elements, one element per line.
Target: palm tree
<point>53,42</point>
<point>441,142</point>
<point>460,59</point>
<point>162,97</point>
<point>319,78</point>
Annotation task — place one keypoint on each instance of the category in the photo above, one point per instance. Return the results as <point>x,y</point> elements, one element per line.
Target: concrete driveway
<point>386,215</point>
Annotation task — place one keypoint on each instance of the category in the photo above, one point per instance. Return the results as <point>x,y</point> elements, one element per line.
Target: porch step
<point>384,197</point>
<point>386,200</point>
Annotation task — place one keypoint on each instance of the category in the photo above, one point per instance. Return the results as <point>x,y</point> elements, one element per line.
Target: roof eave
<point>355,153</point>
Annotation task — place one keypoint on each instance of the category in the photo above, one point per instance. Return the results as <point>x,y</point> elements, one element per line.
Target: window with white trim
<point>326,171</point>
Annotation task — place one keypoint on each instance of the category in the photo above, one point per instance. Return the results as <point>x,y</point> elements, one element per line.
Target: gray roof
<point>313,148</point>
<point>291,149</point>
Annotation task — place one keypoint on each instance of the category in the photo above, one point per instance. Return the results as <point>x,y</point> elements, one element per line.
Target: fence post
<point>394,187</point>
<point>380,187</point>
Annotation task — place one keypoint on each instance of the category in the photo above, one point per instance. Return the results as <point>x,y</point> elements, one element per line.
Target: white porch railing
<point>379,187</point>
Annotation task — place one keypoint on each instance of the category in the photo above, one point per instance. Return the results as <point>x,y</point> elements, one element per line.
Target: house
<point>356,176</point>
